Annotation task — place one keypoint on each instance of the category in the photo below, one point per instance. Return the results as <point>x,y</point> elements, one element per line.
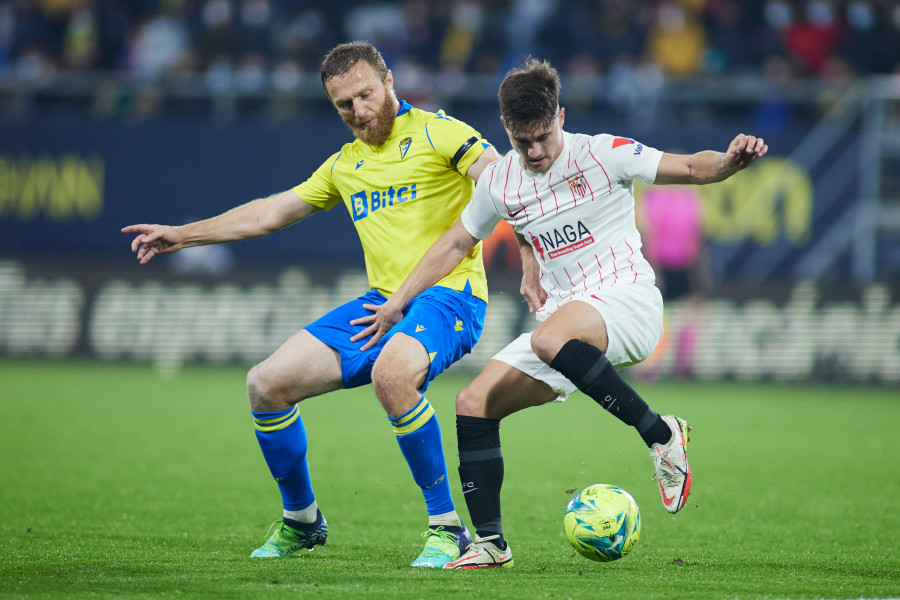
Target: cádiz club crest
<point>404,146</point>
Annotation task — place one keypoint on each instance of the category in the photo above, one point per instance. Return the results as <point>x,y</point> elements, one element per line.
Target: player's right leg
<point>498,391</point>
<point>301,368</point>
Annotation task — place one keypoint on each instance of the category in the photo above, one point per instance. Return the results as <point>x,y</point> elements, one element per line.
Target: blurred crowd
<point>254,40</point>
<point>250,46</point>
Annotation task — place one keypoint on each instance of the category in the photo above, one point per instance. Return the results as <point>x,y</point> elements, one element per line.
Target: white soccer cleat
<point>483,554</point>
<point>672,470</point>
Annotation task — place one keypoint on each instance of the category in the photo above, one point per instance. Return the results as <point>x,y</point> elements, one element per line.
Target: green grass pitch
<point>117,482</point>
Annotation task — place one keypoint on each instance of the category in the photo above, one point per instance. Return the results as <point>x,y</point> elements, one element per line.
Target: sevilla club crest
<point>578,185</point>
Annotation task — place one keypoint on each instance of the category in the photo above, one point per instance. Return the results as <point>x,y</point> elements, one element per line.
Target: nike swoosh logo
<point>512,214</point>
<point>419,328</point>
<point>666,500</point>
<point>359,164</point>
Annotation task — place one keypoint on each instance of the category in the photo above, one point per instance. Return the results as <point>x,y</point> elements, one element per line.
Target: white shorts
<point>633,315</point>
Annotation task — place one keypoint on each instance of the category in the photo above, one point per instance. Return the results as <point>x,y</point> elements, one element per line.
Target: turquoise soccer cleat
<point>442,545</point>
<point>284,541</point>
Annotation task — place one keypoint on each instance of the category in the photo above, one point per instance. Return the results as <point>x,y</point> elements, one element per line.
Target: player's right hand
<point>153,240</point>
<point>381,321</point>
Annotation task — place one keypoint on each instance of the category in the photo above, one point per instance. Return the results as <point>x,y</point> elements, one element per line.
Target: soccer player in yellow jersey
<point>405,179</point>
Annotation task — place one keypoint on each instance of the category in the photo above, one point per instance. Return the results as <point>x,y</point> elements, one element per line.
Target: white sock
<point>449,518</point>
<point>306,515</point>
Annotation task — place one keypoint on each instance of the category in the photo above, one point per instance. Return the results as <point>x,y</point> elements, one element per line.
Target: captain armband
<point>462,151</point>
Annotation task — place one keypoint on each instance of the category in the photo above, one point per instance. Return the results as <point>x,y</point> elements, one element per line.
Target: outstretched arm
<point>441,258</point>
<point>710,166</point>
<point>246,221</point>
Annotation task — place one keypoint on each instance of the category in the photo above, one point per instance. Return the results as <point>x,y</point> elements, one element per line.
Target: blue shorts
<point>447,322</point>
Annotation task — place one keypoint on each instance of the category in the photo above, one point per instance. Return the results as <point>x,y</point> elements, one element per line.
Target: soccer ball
<point>602,522</point>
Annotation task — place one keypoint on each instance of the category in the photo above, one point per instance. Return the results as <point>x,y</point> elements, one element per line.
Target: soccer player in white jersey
<point>570,195</point>
<point>404,180</point>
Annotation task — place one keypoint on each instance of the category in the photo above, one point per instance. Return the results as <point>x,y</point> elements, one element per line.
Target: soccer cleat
<point>284,541</point>
<point>442,544</point>
<point>672,470</point>
<point>483,554</point>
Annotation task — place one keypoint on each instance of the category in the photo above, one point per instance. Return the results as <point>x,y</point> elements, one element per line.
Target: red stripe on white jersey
<point>629,260</point>
<point>615,270</point>
<point>537,196</point>
<point>602,167</point>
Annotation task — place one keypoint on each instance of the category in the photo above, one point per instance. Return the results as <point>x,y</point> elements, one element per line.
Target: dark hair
<point>342,58</point>
<point>529,97</point>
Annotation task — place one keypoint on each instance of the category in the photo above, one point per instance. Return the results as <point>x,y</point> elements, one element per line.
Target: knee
<point>469,403</point>
<point>263,392</point>
<point>398,375</point>
<point>384,380</point>
<point>392,385</point>
<point>545,344</point>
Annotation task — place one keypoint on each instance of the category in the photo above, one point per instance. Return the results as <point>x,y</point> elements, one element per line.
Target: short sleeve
<point>480,216</point>
<point>457,142</point>
<point>319,189</point>
<point>628,159</point>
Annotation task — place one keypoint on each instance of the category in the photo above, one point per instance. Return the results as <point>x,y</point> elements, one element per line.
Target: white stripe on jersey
<point>578,216</point>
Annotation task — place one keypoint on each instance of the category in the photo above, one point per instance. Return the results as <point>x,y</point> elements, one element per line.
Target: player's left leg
<point>397,378</point>
<point>574,340</point>
<point>587,340</point>
<point>440,326</point>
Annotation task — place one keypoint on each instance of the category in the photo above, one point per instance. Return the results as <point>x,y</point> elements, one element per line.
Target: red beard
<point>377,135</point>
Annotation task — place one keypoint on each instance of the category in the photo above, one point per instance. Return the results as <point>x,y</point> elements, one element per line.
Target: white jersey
<point>578,216</point>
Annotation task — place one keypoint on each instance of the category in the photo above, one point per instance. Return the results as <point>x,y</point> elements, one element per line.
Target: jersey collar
<point>405,107</point>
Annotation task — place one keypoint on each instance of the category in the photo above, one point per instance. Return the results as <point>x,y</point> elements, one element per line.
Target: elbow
<point>262,227</point>
<point>270,223</point>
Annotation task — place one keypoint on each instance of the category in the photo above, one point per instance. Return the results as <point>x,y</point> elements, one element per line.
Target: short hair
<point>529,97</point>
<point>344,57</point>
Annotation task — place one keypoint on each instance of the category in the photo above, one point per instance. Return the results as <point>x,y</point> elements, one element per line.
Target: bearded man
<point>405,179</point>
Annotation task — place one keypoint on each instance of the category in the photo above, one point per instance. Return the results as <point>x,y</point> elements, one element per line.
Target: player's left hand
<point>383,318</point>
<point>743,150</point>
<point>531,290</point>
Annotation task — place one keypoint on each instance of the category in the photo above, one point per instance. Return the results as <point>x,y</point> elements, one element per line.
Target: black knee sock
<point>588,368</point>
<point>481,473</point>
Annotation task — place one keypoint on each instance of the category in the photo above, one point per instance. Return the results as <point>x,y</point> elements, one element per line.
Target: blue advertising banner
<point>67,186</point>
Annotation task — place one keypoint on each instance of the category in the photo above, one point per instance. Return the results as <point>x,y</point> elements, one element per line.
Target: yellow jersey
<point>404,194</point>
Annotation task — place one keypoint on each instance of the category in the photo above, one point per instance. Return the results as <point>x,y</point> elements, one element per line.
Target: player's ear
<point>389,80</point>
<point>504,124</point>
<point>562,116</point>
